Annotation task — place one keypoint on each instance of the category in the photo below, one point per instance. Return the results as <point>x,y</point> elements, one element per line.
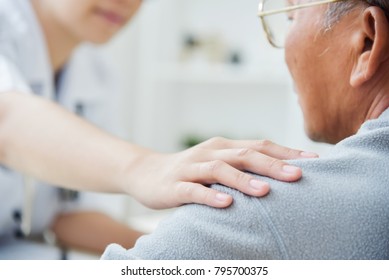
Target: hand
<point>170,180</point>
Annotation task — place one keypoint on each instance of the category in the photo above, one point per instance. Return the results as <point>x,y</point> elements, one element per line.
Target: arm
<point>92,231</point>
<point>337,211</point>
<point>40,139</point>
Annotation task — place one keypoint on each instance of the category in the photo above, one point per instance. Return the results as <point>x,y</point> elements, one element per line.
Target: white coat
<point>24,66</point>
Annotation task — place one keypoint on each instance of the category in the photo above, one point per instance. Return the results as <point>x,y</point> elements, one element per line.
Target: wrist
<point>132,170</point>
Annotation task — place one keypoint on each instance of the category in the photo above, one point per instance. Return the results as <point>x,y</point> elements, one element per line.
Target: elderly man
<point>338,55</point>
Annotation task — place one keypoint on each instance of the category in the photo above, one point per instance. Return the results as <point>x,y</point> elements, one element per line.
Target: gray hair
<point>338,9</point>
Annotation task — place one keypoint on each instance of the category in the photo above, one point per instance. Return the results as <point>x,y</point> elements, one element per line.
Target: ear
<point>372,45</point>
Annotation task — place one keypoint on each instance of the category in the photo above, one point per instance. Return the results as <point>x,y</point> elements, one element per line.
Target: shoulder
<point>338,210</point>
<point>15,17</point>
<point>201,232</point>
<point>340,204</point>
<point>17,28</point>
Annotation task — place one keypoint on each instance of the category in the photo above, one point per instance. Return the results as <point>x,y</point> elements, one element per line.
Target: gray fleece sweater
<point>338,210</point>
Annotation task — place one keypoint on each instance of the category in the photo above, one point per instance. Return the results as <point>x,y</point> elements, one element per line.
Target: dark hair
<point>383,4</point>
<point>338,9</point>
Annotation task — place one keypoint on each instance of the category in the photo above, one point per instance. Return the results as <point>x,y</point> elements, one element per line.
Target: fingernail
<point>309,155</point>
<point>222,197</point>
<point>290,169</point>
<point>258,185</point>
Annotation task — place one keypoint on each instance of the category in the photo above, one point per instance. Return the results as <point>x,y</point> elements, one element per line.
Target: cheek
<point>304,68</point>
<point>294,46</point>
<point>290,59</point>
<point>71,14</point>
<point>295,57</point>
<point>67,9</point>
<point>132,8</point>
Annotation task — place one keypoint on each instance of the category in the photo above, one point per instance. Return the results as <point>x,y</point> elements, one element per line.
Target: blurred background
<point>191,70</point>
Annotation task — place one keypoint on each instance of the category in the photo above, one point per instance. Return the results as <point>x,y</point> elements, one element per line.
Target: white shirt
<point>85,85</point>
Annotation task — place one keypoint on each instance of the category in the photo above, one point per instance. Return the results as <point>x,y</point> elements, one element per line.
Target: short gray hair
<point>338,9</point>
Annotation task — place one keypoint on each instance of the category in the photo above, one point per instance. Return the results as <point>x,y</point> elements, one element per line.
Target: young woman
<point>42,137</point>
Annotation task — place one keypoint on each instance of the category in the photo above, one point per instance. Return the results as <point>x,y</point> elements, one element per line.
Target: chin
<point>99,40</point>
<point>316,135</point>
<point>96,36</point>
<point>324,137</point>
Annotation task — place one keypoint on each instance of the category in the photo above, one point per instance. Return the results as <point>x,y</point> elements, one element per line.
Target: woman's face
<point>94,21</point>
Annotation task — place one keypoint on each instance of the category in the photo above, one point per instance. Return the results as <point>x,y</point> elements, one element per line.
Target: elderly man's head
<point>338,56</point>
<point>336,10</point>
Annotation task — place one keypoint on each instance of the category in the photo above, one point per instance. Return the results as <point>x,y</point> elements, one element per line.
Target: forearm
<point>39,138</point>
<point>42,140</point>
<point>92,232</point>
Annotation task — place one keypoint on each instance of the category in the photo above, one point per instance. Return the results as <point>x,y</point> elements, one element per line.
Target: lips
<point>111,17</point>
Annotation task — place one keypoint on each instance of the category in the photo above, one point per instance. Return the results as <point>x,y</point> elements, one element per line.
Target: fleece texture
<point>338,210</point>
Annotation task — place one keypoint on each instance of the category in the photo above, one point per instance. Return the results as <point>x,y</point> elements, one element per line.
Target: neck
<point>378,106</point>
<point>379,93</point>
<point>60,42</point>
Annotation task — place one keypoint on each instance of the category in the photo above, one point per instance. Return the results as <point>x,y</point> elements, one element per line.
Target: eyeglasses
<point>275,18</point>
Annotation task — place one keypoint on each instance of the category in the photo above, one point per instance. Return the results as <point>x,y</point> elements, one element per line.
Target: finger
<point>274,150</point>
<point>220,172</point>
<point>255,162</point>
<point>197,193</point>
<point>263,146</point>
